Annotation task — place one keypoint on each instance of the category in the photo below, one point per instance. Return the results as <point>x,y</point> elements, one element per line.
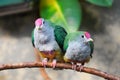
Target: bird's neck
<point>45,37</point>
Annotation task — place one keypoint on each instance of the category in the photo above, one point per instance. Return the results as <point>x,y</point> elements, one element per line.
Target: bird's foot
<point>74,66</point>
<point>44,62</point>
<point>53,64</point>
<point>80,67</point>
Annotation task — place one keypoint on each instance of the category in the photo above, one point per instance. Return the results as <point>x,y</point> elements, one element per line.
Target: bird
<point>78,47</point>
<point>48,39</point>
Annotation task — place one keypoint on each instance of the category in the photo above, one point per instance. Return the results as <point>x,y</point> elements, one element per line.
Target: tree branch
<point>42,70</point>
<point>58,65</point>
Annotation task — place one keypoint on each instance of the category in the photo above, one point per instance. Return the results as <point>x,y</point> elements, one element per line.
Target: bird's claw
<point>54,63</point>
<point>80,67</point>
<point>74,66</point>
<point>44,62</point>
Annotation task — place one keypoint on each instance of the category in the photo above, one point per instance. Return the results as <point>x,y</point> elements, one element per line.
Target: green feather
<point>60,35</point>
<point>92,47</point>
<point>33,38</point>
<point>66,13</point>
<point>66,43</point>
<point>71,37</point>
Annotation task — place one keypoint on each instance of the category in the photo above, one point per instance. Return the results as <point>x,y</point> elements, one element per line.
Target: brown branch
<point>42,70</point>
<point>58,65</point>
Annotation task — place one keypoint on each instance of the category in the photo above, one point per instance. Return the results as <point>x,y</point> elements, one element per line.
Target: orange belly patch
<point>48,54</point>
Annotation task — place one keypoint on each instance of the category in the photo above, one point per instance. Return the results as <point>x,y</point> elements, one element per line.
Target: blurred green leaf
<point>104,3</point>
<point>66,13</point>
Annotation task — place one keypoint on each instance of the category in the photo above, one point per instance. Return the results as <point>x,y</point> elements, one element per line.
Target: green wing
<point>70,37</point>
<point>92,47</point>
<point>33,38</point>
<point>66,43</point>
<point>60,35</point>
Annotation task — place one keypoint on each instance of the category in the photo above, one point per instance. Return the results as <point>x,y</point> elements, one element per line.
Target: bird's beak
<point>39,28</point>
<point>90,39</point>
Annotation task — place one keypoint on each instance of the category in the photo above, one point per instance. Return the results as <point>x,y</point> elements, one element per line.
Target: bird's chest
<point>52,45</point>
<point>79,52</point>
<point>41,38</point>
<point>45,41</point>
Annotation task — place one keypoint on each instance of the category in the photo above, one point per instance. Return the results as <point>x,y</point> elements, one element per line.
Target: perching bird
<point>48,39</point>
<point>79,47</point>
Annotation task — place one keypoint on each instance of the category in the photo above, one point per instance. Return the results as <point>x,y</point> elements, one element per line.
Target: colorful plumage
<point>48,39</point>
<point>78,47</point>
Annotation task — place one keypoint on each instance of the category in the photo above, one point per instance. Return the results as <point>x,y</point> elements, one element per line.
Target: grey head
<point>43,32</point>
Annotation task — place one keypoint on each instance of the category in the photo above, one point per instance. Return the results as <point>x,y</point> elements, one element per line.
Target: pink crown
<point>38,21</point>
<point>87,34</point>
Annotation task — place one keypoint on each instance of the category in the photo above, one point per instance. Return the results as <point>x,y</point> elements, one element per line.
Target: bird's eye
<point>82,36</point>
